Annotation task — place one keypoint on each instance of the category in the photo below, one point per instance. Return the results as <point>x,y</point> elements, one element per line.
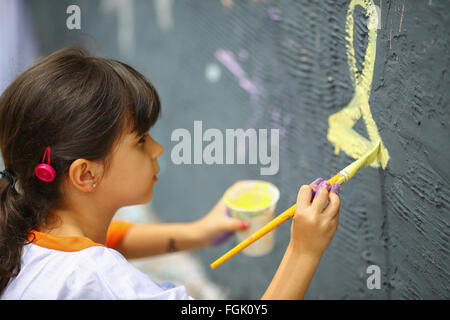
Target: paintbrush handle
<point>286,215</point>
<point>336,179</point>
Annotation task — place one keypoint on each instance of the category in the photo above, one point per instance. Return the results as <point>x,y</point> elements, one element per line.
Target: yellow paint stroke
<point>340,132</point>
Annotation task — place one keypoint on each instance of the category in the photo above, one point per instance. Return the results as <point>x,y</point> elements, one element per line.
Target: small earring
<point>94,185</point>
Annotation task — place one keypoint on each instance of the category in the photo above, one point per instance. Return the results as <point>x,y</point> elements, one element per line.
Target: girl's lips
<point>155,178</point>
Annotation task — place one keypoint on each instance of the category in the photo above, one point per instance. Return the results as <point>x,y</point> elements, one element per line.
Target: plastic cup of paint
<point>253,201</point>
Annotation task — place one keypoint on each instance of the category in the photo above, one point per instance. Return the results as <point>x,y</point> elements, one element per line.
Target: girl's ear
<point>83,174</point>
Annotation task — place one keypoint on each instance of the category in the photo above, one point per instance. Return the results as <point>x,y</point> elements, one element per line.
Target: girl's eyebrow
<point>136,135</point>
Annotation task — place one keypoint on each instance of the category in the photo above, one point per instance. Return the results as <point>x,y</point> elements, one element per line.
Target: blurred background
<point>271,64</point>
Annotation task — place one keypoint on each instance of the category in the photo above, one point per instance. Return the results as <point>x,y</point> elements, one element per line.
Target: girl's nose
<point>157,149</point>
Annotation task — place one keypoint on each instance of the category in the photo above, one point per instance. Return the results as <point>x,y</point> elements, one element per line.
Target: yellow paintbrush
<point>344,175</point>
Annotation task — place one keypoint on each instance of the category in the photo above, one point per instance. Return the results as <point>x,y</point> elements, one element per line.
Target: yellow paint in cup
<point>253,201</point>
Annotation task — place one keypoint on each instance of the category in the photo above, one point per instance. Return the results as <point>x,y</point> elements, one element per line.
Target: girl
<point>75,143</point>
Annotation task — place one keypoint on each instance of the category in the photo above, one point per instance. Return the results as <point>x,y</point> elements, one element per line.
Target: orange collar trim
<point>66,244</point>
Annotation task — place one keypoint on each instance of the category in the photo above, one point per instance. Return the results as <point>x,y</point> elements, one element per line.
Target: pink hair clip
<point>44,171</point>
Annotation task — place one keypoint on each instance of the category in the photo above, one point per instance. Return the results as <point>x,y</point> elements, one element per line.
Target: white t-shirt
<point>90,271</point>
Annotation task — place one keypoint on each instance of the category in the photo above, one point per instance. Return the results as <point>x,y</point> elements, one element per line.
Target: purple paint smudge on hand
<point>335,188</point>
<point>223,237</point>
<point>315,183</point>
<point>323,184</point>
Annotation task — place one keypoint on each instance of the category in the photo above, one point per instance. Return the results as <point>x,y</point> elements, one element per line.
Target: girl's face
<point>133,170</point>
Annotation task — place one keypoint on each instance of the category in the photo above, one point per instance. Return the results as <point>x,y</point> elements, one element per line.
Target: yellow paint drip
<point>341,133</point>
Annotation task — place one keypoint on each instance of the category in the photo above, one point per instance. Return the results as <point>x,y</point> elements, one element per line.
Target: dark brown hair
<point>79,105</point>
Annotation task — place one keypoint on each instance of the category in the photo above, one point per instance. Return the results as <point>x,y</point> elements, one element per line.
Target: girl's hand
<point>217,226</point>
<point>315,221</point>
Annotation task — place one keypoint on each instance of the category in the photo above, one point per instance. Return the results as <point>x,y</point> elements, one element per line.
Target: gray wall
<point>295,51</point>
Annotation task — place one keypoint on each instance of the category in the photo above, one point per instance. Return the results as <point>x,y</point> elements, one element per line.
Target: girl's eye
<point>142,140</point>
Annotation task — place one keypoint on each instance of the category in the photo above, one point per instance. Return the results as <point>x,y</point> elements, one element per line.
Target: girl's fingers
<point>316,182</point>
<point>304,196</point>
<point>314,185</point>
<point>234,224</point>
<point>332,209</point>
<point>321,196</point>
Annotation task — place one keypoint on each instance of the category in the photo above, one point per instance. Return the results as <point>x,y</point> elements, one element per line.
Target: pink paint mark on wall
<point>276,120</point>
<point>227,58</point>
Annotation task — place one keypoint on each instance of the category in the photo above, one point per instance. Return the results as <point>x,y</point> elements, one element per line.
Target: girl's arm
<point>313,227</point>
<point>144,240</point>
<point>293,276</point>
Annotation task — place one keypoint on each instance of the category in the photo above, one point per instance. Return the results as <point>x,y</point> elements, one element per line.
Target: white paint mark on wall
<point>213,72</point>
<point>164,15</point>
<point>125,23</point>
